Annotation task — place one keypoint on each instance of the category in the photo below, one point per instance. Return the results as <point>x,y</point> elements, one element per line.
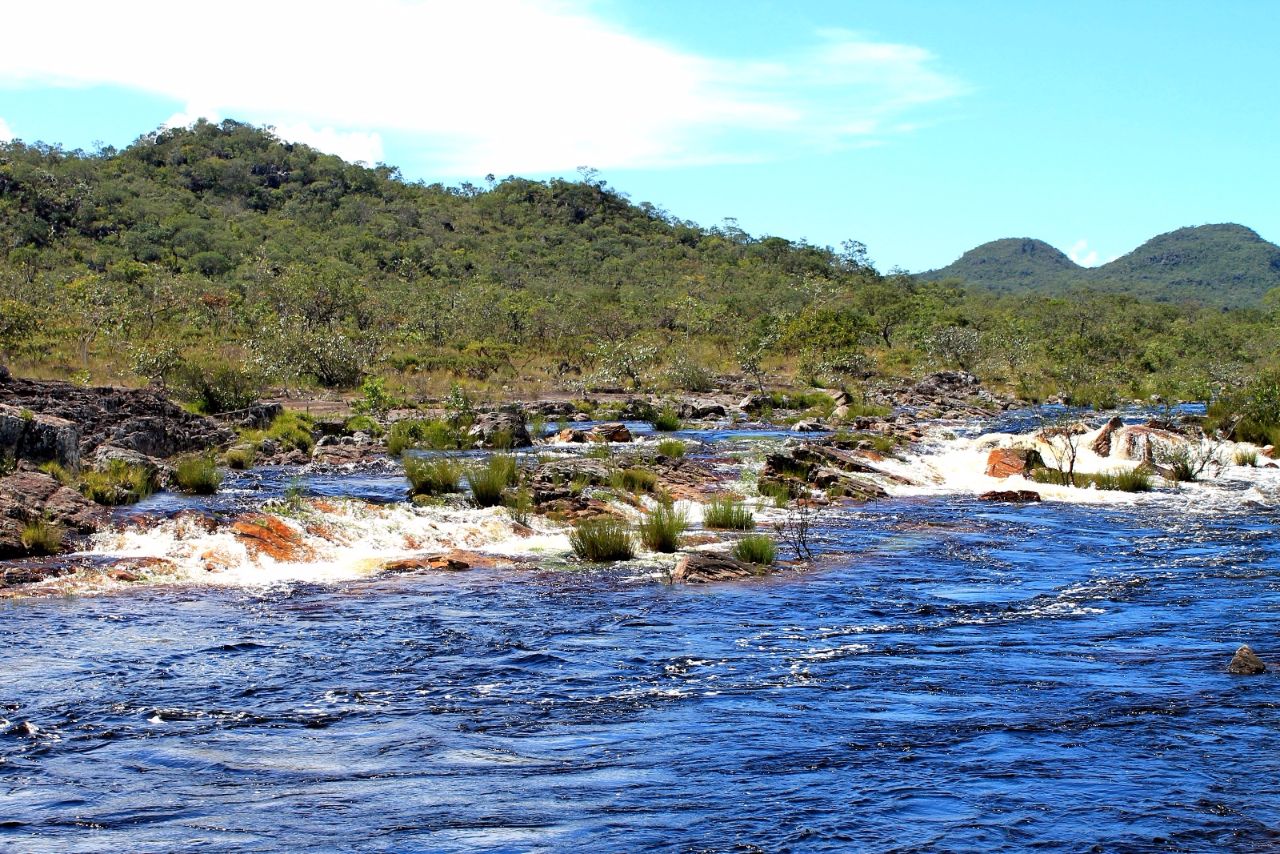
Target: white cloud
<point>6,133</point>
<point>1082,254</point>
<point>502,86</point>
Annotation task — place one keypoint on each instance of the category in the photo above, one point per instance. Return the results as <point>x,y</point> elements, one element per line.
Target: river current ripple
<point>967,676</point>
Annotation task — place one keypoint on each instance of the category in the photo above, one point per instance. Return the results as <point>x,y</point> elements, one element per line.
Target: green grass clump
<point>1122,480</point>
<point>118,483</point>
<point>240,457</point>
<point>422,433</point>
<point>59,473</point>
<point>673,448</point>
<point>636,480</point>
<point>362,424</point>
<point>660,530</point>
<point>603,539</point>
<point>665,420</point>
<point>779,493</point>
<point>197,474</point>
<point>1246,457</point>
<point>728,514</point>
<point>488,482</point>
<point>292,430</point>
<point>756,548</point>
<point>432,476</point>
<point>42,537</point>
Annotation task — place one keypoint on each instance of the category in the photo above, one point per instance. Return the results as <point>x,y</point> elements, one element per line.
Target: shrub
<point>660,530</point>
<point>635,480</point>
<point>728,514</point>
<point>603,539</point>
<point>376,400</point>
<point>118,483</point>
<point>756,548</point>
<point>432,475</point>
<point>421,433</point>
<point>293,431</point>
<point>665,420</point>
<point>240,457</point>
<point>1246,457</point>
<point>673,448</point>
<point>197,475</point>
<point>489,481</point>
<point>218,385</point>
<point>42,537</point>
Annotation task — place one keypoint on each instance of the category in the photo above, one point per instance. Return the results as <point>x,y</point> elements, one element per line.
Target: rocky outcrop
<point>706,567</point>
<point>1246,663</point>
<point>28,496</point>
<point>700,410</point>
<point>616,432</point>
<point>945,394</point>
<point>359,449</point>
<point>501,429</point>
<point>837,471</point>
<point>38,438</point>
<point>140,420</point>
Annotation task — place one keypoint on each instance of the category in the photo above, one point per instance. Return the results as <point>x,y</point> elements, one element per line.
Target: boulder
<point>704,567</point>
<point>1011,495</point>
<point>500,430</point>
<point>38,438</point>
<point>611,432</point>
<point>1246,663</point>
<point>1102,444</point>
<point>27,496</point>
<point>436,563</point>
<point>808,426</point>
<point>700,410</point>
<point>1013,462</point>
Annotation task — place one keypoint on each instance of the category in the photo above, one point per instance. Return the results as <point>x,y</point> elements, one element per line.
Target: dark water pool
<point>974,678</point>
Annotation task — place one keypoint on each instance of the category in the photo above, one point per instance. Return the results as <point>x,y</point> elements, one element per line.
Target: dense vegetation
<point>1222,265</point>
<point>218,259</point>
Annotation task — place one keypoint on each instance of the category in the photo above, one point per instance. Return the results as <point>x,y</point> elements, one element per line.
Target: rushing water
<point>965,676</point>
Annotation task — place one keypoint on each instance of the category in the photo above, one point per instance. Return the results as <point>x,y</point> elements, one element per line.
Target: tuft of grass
<point>1246,457</point>
<point>603,539</point>
<point>432,476</point>
<point>488,482</point>
<point>42,537</point>
<point>780,494</point>
<point>756,548</point>
<point>1182,464</point>
<point>673,448</point>
<point>422,433</point>
<point>197,474</point>
<point>362,424</point>
<point>241,457</point>
<point>728,514</point>
<point>520,506</point>
<point>660,530</point>
<point>118,483</point>
<point>1122,480</point>
<point>59,473</point>
<point>665,420</point>
<point>635,480</point>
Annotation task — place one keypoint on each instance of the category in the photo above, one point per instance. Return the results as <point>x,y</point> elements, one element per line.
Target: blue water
<point>953,675</point>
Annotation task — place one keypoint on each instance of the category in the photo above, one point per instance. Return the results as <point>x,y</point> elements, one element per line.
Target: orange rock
<point>1010,462</point>
<point>264,534</point>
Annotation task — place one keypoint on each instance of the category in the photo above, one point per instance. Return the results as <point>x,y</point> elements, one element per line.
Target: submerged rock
<point>1011,495</point>
<point>1246,663</point>
<point>704,567</point>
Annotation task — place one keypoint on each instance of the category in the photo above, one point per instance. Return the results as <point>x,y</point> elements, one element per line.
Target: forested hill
<point>220,260</point>
<point>1220,265</point>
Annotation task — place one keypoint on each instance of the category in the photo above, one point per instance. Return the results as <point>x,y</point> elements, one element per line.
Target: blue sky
<point>919,128</point>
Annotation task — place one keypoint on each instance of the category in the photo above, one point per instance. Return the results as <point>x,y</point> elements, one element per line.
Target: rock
<point>437,563</point>
<point>700,410</point>
<point>500,430</point>
<point>1246,663</point>
<point>704,567</point>
<point>1012,462</point>
<point>265,534</point>
<point>841,483</point>
<point>571,434</point>
<point>256,417</point>
<point>611,432</point>
<point>1011,495</point>
<point>159,472</point>
<point>808,426</point>
<point>346,453</point>
<point>1268,451</point>
<point>1102,445</point>
<point>580,418</point>
<point>141,420</point>
<point>38,438</point>
<point>27,496</point>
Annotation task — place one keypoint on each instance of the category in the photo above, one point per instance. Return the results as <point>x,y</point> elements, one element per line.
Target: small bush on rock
<point>432,476</point>
<point>197,474</point>
<point>604,539</point>
<point>756,548</point>
<point>660,530</point>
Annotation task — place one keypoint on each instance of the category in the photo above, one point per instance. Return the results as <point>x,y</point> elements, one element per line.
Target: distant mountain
<point>1223,265</point>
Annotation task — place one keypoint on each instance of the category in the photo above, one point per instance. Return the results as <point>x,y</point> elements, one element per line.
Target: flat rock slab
<point>705,567</point>
<point>1011,495</point>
